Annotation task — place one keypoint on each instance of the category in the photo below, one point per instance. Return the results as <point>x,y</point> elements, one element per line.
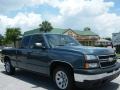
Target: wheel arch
<point>6,58</point>
<point>58,63</point>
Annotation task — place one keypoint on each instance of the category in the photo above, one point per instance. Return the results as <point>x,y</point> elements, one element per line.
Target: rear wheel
<point>63,78</point>
<point>9,68</point>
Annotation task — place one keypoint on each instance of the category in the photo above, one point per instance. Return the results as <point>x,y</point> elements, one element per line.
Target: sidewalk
<point>1,63</point>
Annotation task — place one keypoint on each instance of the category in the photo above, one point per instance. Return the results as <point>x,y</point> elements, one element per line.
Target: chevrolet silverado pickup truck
<point>64,59</point>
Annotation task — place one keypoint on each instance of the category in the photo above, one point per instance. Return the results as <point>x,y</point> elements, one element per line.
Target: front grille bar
<point>105,61</point>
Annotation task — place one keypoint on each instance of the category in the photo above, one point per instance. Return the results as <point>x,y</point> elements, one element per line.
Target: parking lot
<point>24,80</point>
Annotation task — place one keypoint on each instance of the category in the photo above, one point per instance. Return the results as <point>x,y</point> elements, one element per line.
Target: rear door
<point>22,52</point>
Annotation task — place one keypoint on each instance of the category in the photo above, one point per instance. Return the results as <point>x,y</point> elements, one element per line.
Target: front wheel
<point>63,78</point>
<point>9,68</point>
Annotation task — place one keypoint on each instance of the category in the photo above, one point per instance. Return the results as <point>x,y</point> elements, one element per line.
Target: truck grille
<point>107,60</point>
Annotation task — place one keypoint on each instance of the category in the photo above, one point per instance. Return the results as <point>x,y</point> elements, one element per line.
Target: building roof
<point>61,31</point>
<point>35,31</point>
<point>86,33</point>
<point>103,40</point>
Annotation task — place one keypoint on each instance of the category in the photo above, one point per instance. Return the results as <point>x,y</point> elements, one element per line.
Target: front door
<point>37,59</point>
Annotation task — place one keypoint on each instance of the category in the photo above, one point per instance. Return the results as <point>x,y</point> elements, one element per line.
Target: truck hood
<point>89,50</point>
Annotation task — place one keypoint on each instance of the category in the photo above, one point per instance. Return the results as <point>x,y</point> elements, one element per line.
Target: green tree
<point>1,39</point>
<point>87,29</point>
<point>12,34</point>
<point>45,26</point>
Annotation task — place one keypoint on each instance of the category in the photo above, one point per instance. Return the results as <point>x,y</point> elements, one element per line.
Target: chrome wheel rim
<point>61,80</point>
<point>7,66</point>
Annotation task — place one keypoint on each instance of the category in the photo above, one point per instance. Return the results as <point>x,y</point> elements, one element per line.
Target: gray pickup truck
<point>63,59</point>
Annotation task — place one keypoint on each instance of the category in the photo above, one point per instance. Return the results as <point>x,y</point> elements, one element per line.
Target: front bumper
<point>90,77</point>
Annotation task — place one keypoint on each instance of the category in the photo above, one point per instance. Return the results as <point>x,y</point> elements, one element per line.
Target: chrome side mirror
<point>39,45</point>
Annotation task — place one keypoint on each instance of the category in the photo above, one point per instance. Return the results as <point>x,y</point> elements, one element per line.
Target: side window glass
<point>36,39</point>
<point>25,42</point>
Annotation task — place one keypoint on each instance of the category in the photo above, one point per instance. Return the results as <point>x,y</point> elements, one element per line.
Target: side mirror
<point>39,45</point>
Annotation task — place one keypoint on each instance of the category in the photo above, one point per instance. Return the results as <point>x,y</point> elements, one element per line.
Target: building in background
<point>116,41</point>
<point>103,42</point>
<point>86,37</point>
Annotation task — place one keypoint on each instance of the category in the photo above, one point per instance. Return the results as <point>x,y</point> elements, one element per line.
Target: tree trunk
<point>14,44</point>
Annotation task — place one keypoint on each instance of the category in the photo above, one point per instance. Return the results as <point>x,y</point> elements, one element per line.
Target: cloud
<point>13,5</point>
<point>10,5</point>
<point>26,21</point>
<point>75,14</point>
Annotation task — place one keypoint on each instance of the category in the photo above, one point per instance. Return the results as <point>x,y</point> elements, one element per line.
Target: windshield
<point>61,40</point>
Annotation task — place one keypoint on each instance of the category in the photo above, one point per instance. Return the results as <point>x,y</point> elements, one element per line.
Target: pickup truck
<point>64,59</point>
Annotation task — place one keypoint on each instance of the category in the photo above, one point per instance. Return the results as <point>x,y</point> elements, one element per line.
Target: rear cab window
<point>25,42</point>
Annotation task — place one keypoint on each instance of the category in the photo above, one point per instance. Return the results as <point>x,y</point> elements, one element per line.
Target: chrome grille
<point>107,60</point>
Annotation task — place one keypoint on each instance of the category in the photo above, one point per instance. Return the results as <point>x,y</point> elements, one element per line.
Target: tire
<point>10,70</point>
<point>63,78</point>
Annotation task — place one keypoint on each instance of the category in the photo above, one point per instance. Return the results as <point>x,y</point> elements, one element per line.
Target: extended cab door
<point>37,59</point>
<point>22,52</point>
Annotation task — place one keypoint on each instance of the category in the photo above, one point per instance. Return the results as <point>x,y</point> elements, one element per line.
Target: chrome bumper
<point>81,77</point>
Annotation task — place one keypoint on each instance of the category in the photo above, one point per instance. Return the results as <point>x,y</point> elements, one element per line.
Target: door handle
<point>29,51</point>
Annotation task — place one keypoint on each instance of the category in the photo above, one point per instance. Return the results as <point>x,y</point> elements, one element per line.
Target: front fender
<point>76,60</point>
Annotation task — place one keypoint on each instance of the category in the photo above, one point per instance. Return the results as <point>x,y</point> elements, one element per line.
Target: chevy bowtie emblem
<point>110,59</point>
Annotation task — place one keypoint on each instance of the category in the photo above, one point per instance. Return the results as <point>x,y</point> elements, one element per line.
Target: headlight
<point>91,57</point>
<point>91,65</point>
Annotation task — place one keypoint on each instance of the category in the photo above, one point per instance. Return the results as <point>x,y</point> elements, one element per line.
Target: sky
<point>102,16</point>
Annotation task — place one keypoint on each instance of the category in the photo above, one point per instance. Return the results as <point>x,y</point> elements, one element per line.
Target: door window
<point>36,39</point>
